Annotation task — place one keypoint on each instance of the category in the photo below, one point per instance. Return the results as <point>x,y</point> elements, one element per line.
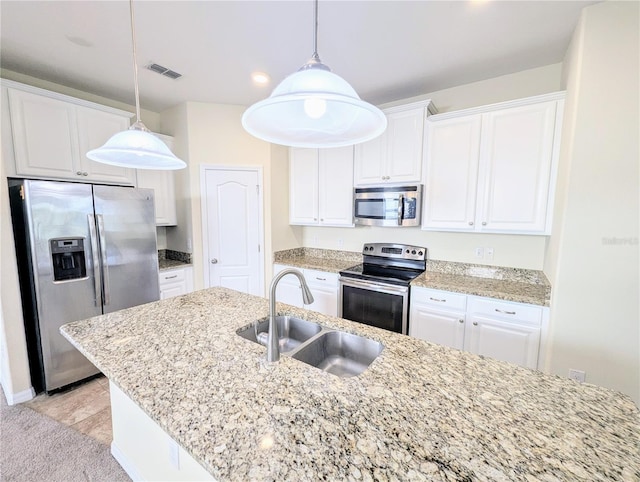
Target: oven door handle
<point>373,286</point>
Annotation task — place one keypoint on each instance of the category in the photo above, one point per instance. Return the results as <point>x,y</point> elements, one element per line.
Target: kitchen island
<point>419,412</point>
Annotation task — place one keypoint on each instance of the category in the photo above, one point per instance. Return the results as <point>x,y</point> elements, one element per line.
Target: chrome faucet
<point>273,347</point>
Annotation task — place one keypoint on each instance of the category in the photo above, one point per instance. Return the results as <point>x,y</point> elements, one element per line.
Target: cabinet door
<point>507,341</point>
<point>441,327</point>
<point>335,172</point>
<point>303,186</point>
<point>369,161</point>
<point>404,135</point>
<point>163,186</point>
<point>324,287</point>
<point>44,136</point>
<point>94,129</point>
<point>451,176</point>
<point>516,156</point>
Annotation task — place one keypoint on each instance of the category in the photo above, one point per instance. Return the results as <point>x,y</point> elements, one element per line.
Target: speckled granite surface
<point>419,412</point>
<point>510,284</point>
<point>328,260</point>
<point>168,259</point>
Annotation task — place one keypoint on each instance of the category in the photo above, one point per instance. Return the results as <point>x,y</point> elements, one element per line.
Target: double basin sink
<point>336,352</point>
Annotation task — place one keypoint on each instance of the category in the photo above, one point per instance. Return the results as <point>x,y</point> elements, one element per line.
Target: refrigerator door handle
<point>97,278</point>
<point>103,256</point>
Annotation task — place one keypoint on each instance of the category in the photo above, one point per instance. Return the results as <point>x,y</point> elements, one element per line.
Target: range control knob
<point>420,253</point>
<point>413,252</point>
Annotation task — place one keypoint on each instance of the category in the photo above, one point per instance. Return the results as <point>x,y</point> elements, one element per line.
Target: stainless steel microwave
<point>387,205</point>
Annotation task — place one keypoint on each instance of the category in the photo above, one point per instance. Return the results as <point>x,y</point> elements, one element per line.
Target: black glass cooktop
<point>383,274</point>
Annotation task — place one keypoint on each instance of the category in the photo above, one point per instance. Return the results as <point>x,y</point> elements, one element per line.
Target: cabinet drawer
<point>506,310</point>
<point>321,278</point>
<point>439,299</point>
<point>171,276</point>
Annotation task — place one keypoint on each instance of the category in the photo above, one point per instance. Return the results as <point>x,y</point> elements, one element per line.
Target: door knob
<point>214,261</point>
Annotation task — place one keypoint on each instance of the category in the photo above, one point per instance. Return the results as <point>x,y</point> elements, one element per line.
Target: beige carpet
<point>35,448</point>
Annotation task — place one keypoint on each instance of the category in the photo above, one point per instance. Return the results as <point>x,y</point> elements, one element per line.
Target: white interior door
<point>233,229</point>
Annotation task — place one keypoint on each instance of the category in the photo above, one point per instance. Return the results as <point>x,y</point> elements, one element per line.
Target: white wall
<point>592,258</point>
<point>509,250</point>
<point>214,136</point>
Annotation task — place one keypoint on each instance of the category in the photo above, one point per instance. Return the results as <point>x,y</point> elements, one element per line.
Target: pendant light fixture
<point>314,107</point>
<point>136,147</point>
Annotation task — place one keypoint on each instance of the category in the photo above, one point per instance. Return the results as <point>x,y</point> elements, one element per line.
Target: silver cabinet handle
<point>484,223</point>
<point>321,279</point>
<point>214,261</point>
<point>470,223</point>
<point>460,320</point>
<point>475,323</point>
<point>321,219</point>
<point>85,173</point>
<point>439,301</point>
<point>170,277</point>
<point>79,173</point>
<point>506,312</point>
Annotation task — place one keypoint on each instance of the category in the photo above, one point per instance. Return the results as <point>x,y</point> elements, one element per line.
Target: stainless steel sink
<point>342,354</point>
<point>292,332</point>
<point>339,353</point>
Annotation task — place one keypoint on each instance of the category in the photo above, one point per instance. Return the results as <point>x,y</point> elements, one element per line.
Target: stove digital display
<point>392,250</point>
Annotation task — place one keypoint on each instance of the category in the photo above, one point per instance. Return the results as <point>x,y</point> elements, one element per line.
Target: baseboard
<point>125,463</point>
<point>20,397</point>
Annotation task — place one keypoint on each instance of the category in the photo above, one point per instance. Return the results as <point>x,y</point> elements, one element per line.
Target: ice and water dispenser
<point>68,258</point>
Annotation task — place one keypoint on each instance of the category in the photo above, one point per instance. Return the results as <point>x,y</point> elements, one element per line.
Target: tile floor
<point>86,408</point>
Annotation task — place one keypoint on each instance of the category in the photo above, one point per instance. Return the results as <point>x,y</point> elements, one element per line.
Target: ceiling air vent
<point>164,71</point>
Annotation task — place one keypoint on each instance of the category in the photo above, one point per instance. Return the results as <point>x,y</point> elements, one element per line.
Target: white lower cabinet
<point>323,286</point>
<point>502,330</point>
<point>143,449</point>
<point>175,282</point>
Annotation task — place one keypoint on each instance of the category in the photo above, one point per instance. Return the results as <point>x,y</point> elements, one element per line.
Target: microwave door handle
<point>400,209</point>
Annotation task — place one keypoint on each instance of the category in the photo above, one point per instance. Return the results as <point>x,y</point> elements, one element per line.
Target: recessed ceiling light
<point>260,77</point>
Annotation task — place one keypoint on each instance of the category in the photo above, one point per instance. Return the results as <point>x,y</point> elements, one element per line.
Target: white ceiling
<point>387,50</point>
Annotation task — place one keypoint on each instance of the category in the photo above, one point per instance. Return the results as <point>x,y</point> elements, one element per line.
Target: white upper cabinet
<point>321,186</point>
<point>451,176</point>
<point>493,171</point>
<point>51,135</point>
<point>396,155</point>
<point>163,185</point>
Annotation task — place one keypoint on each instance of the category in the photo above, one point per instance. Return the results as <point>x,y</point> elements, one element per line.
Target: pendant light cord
<point>135,62</point>
<point>315,33</point>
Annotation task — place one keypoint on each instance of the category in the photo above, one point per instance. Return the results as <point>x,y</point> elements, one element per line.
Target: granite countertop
<point>164,264</point>
<point>419,412</point>
<point>510,284</point>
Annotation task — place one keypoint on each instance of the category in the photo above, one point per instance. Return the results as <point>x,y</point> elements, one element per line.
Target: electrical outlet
<point>479,252</point>
<point>340,243</point>
<point>577,375</point>
<point>488,253</point>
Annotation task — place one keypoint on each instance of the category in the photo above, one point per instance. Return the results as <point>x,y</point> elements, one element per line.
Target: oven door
<point>376,304</point>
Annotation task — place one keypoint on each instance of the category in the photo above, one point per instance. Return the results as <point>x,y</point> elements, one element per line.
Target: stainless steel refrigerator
<point>82,250</point>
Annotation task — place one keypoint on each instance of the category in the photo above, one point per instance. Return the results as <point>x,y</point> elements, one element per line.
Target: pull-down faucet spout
<point>273,347</point>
